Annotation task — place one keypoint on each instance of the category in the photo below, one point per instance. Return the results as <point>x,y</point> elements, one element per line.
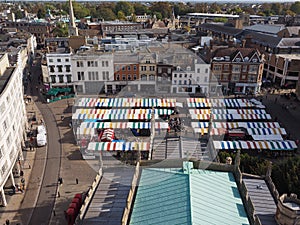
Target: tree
<point>18,14</point>
<point>164,8</point>
<point>125,7</point>
<point>41,13</point>
<point>121,15</point>
<point>295,7</point>
<point>80,11</point>
<point>103,13</point>
<point>276,8</point>
<point>61,30</point>
<point>140,9</point>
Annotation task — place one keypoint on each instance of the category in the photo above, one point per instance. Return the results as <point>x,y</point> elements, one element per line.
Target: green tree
<point>140,9</point>
<point>103,13</point>
<point>221,20</point>
<point>41,13</point>
<point>295,7</point>
<point>80,11</point>
<point>18,14</point>
<point>276,8</point>
<point>61,30</point>
<point>164,8</point>
<point>121,15</point>
<point>125,7</point>
<point>158,15</point>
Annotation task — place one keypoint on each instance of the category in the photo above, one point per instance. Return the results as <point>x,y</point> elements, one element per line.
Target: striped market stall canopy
<point>126,102</point>
<point>266,131</point>
<point>200,116</point>
<point>256,145</point>
<point>219,103</point>
<point>241,117</point>
<point>227,111</point>
<point>231,125</point>
<point>202,131</point>
<point>123,125</point>
<point>118,146</point>
<point>200,124</point>
<point>112,116</point>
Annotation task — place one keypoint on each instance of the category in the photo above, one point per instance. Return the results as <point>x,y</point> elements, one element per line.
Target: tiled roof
<point>289,42</point>
<point>193,196</point>
<point>231,52</point>
<point>221,28</point>
<point>264,39</point>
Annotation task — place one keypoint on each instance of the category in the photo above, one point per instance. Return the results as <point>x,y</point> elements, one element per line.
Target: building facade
<point>59,69</point>
<point>283,69</point>
<point>236,70</point>
<point>91,70</point>
<point>13,122</point>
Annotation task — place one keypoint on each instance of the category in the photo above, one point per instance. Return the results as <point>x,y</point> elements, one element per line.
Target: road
<point>49,163</point>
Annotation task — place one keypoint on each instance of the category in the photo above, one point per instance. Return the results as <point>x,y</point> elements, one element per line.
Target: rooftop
<point>264,204</point>
<point>204,197</point>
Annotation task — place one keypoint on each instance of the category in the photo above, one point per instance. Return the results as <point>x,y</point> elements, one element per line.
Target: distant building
<point>108,27</point>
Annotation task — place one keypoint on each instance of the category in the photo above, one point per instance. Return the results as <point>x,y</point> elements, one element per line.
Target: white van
<point>41,140</point>
<point>41,129</point>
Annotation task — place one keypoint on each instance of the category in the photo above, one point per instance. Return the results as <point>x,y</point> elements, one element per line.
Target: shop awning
<point>118,146</point>
<point>270,137</point>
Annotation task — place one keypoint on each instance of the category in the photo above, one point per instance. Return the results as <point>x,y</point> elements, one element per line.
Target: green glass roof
<point>189,196</point>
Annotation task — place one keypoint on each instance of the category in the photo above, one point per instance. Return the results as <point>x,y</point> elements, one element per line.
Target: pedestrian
<point>30,147</point>
<point>58,194</point>
<point>7,222</point>
<point>21,173</point>
<point>77,181</point>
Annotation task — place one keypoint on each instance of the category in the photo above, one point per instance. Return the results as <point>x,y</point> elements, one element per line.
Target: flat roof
<point>264,204</point>
<point>187,196</point>
<point>5,78</point>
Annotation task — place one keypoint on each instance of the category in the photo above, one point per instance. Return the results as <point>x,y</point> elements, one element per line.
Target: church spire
<point>73,31</point>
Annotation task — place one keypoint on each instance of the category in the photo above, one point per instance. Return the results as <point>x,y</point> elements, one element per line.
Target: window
<point>198,70</point>
<point>159,70</point>
<point>59,68</point>
<point>107,75</point>
<point>226,67</point>
<point>68,68</point>
<point>169,70</point>
<point>174,81</point>
<point>50,60</point>
<point>61,78</point>
<point>51,69</point>
<point>179,82</point>
<point>152,77</point>
<point>69,78</point>
<point>251,78</point>
<point>144,77</point>
<point>128,68</point>
<point>143,68</point>
<point>206,70</point>
<point>253,68</point>
<point>128,77</point>
<point>152,68</point>
<point>217,67</point>
<point>97,75</point>
<point>134,67</point>
<point>58,60</point>
<point>175,75</point>
<point>147,60</point>
<point>198,79</point>
<point>53,79</point>
<point>67,60</point>
<point>134,77</point>
<point>95,63</point>
<point>103,75</point>
<point>80,75</point>
<point>180,75</point>
<point>123,77</point>
<point>117,68</point>
<point>236,68</point>
<point>123,68</point>
<point>235,77</point>
<point>184,82</point>
<point>118,77</point>
<point>244,68</point>
<point>185,75</point>
<point>89,75</point>
<point>106,63</point>
<point>205,79</point>
<point>79,64</point>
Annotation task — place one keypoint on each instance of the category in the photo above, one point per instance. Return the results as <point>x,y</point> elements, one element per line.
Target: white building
<point>91,70</point>
<point>191,78</point>
<point>13,121</point>
<point>59,69</point>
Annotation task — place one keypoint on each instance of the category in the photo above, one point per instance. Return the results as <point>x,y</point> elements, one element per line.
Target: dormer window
<point>238,59</point>
<point>178,68</point>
